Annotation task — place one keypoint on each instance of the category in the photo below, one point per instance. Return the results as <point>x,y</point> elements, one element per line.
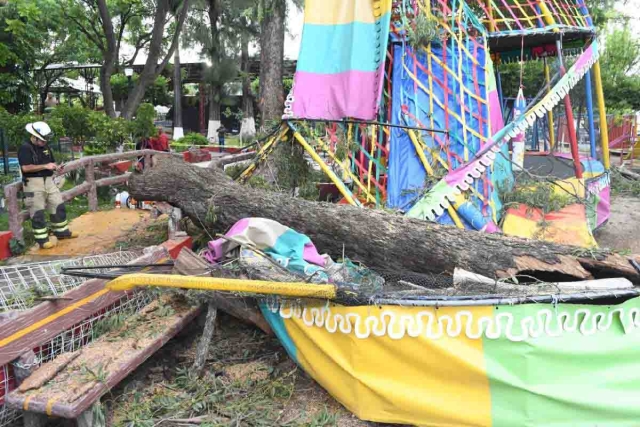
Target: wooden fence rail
<point>89,186</point>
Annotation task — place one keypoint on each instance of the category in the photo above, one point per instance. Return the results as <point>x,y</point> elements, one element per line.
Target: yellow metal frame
<point>262,287</point>
<point>602,111</point>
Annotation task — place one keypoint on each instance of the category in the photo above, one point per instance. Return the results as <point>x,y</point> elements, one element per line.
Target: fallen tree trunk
<point>380,240</point>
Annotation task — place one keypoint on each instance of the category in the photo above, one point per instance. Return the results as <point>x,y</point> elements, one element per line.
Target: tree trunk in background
<point>110,58</point>
<point>376,238</point>
<point>271,61</point>
<point>248,126</point>
<point>151,68</point>
<point>106,70</point>
<point>178,132</point>
<point>214,89</point>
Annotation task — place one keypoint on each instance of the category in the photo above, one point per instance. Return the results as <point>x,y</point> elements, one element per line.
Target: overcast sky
<point>295,20</point>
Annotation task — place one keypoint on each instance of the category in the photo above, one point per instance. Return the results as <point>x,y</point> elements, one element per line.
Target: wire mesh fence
<point>22,285</point>
<point>70,340</point>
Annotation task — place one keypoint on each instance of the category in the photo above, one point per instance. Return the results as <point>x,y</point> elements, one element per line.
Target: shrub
<point>142,125</point>
<point>76,122</point>
<point>193,138</point>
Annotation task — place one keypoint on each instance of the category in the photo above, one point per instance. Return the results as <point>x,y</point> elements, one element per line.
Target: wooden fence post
<point>89,177</point>
<point>13,208</point>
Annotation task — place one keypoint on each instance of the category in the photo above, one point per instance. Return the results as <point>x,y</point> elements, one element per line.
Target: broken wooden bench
<point>72,383</point>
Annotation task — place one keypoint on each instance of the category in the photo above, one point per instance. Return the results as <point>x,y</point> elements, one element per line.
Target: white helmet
<point>40,130</point>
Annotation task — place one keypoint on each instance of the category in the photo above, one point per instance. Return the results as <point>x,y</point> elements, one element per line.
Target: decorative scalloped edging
<point>444,193</point>
<point>288,104</point>
<point>431,325</point>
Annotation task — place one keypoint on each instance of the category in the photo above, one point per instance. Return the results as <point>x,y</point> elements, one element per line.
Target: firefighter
<point>40,192</point>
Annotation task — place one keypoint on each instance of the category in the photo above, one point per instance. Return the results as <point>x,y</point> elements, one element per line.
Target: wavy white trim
<point>431,325</point>
<point>288,104</point>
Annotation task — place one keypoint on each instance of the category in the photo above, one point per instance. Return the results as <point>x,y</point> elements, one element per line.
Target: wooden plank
<point>68,395</point>
<point>89,176</point>
<point>34,327</point>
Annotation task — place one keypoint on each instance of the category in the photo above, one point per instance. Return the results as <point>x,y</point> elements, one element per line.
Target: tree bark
<point>376,238</point>
<point>151,68</point>
<point>271,61</point>
<point>177,96</point>
<point>110,56</point>
<point>248,126</point>
<point>214,57</point>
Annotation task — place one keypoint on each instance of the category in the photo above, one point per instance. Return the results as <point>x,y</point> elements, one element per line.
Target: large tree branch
<point>380,240</point>
<point>176,36</point>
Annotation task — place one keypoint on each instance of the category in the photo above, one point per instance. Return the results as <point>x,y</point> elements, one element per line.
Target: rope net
<point>510,17</point>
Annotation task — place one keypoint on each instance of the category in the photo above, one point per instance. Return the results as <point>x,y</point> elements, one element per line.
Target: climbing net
<point>522,16</point>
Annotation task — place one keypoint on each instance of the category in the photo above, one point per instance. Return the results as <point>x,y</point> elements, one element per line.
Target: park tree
<point>33,36</point>
<point>214,39</point>
<point>128,21</point>
<point>273,15</point>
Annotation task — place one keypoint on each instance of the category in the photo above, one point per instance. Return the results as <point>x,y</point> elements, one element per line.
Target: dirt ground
<point>622,232</point>
<point>249,381</point>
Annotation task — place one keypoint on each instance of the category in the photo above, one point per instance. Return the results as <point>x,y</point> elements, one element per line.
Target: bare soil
<point>249,380</point>
<point>622,232</point>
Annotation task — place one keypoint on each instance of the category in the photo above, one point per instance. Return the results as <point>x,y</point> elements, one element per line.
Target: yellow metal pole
<point>371,154</point>
<point>346,170</point>
<point>604,130</point>
<point>262,287</point>
<point>429,169</point>
<point>547,15</point>
<point>552,132</point>
<point>332,176</point>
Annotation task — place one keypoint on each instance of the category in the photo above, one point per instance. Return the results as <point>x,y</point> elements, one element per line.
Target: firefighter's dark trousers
<point>42,194</point>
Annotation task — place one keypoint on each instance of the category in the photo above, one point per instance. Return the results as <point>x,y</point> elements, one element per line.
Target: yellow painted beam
<point>429,169</point>
<point>262,287</point>
<point>552,132</point>
<point>332,176</point>
<point>604,129</point>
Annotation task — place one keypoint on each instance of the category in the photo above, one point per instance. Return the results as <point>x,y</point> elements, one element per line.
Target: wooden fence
<point>89,186</point>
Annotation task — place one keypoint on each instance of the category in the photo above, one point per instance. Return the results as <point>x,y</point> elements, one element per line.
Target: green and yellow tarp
<point>524,365</point>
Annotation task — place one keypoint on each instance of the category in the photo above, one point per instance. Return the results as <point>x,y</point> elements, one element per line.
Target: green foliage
<point>14,126</point>
<point>620,60</point>
<point>622,186</point>
<point>142,125</point>
<point>422,31</point>
<point>34,33</point>
<point>541,195</point>
<point>287,83</point>
<point>16,247</point>
<point>75,120</point>
<point>193,138</point>
<point>156,93</point>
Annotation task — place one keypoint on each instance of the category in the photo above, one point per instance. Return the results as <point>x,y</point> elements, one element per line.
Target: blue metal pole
<point>499,87</point>
<point>592,128</point>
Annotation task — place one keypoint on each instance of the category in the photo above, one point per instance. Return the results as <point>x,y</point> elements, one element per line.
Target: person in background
<point>221,133</point>
<point>50,102</point>
<point>142,144</point>
<point>38,165</point>
<point>161,142</point>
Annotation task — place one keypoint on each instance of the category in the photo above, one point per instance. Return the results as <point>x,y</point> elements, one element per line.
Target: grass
<point>248,381</point>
